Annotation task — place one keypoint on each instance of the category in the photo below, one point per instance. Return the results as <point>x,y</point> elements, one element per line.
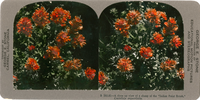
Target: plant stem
<point>131,35</point>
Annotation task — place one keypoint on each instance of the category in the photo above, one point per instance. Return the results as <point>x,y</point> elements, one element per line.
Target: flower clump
<point>124,65</point>
<point>157,38</point>
<point>78,40</point>
<point>175,42</point>
<point>15,79</point>
<point>31,64</point>
<point>127,48</point>
<point>124,24</point>
<point>168,65</point>
<point>102,78</point>
<point>60,16</point>
<point>90,73</point>
<point>181,73</point>
<point>146,52</point>
<point>40,17</point>
<point>76,24</point>
<point>24,26</point>
<point>133,17</point>
<point>121,24</point>
<point>31,47</point>
<point>153,16</point>
<point>62,38</point>
<point>170,27</point>
<point>74,64</point>
<point>53,53</point>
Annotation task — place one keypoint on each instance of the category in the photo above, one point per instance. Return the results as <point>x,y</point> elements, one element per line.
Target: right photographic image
<point>141,47</point>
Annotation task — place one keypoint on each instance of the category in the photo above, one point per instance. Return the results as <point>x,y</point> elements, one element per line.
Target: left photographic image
<point>55,47</point>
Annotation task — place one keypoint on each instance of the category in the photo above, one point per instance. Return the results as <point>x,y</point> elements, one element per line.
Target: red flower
<point>40,17</point>
<point>175,41</point>
<point>62,60</point>
<point>157,38</point>
<point>121,24</point>
<point>75,64</point>
<point>133,17</point>
<point>102,78</point>
<point>62,38</point>
<point>124,65</point>
<point>163,15</point>
<point>181,73</point>
<point>15,79</point>
<point>24,26</point>
<point>68,65</point>
<point>90,73</point>
<point>31,47</point>
<point>170,27</point>
<point>76,24</point>
<point>53,53</point>
<point>154,16</point>
<point>168,65</point>
<point>125,33</point>
<point>60,16</point>
<point>78,40</point>
<point>127,48</point>
<point>31,64</point>
<point>146,52</point>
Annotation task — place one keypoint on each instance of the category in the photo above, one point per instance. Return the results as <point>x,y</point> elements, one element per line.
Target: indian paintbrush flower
<point>24,26</point>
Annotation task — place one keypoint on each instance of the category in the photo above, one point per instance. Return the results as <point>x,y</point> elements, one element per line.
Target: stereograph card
<point>100,50</point>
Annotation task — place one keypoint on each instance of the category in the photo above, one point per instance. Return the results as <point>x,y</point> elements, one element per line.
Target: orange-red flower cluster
<point>40,17</point>
<point>30,48</point>
<point>181,73</point>
<point>154,16</point>
<point>78,40</point>
<point>76,24</point>
<point>15,79</point>
<point>146,52</point>
<point>168,65</point>
<point>157,38</point>
<point>170,27</point>
<point>133,17</point>
<point>102,78</point>
<point>90,73</point>
<point>127,48</point>
<point>62,38</point>
<point>74,64</point>
<point>124,65</point>
<point>24,26</point>
<point>175,41</point>
<point>125,33</point>
<point>53,53</point>
<point>121,24</point>
<point>68,65</point>
<point>31,64</point>
<point>60,16</point>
